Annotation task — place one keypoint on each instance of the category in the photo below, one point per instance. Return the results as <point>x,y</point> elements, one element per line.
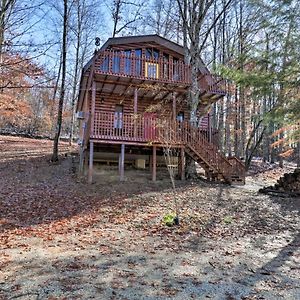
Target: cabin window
<point>175,69</point>
<point>152,53</point>
<point>180,116</point>
<point>151,70</point>
<point>116,62</point>
<point>165,66</point>
<point>127,62</point>
<point>104,65</point>
<point>118,118</point>
<point>138,64</point>
<point>151,67</point>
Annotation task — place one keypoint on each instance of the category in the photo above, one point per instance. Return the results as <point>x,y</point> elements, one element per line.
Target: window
<point>138,64</point>
<point>116,62</point>
<point>118,119</point>
<point>127,62</point>
<point>152,53</point>
<point>180,116</point>
<point>151,65</point>
<point>151,70</point>
<point>104,65</point>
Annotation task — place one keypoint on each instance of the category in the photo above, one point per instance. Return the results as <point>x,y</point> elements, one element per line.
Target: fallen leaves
<point>53,225</point>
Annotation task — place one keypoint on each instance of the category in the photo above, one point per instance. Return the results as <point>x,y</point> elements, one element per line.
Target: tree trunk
<point>75,81</point>
<point>298,154</point>
<point>63,81</point>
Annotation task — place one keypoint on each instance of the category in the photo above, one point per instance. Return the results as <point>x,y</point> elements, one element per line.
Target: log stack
<point>287,186</point>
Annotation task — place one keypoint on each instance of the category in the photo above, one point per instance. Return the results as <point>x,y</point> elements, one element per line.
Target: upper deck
<point>135,66</point>
<point>132,64</point>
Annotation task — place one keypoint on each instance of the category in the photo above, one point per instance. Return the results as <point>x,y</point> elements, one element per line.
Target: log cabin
<point>132,106</point>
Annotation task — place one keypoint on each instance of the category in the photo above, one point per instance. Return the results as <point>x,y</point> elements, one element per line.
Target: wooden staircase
<point>217,167</point>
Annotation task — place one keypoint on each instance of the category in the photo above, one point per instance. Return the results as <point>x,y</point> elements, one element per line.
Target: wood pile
<point>287,186</point>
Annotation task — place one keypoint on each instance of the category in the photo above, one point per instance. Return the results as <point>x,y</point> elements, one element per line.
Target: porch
<point>147,131</point>
<point>132,67</point>
<point>146,128</point>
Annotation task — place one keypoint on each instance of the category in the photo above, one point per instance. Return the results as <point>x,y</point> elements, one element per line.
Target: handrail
<point>213,83</point>
<point>208,152</point>
<point>148,128</point>
<point>134,66</point>
<point>238,166</point>
<point>131,65</point>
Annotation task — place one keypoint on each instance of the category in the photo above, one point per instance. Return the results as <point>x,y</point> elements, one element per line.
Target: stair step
<point>210,162</point>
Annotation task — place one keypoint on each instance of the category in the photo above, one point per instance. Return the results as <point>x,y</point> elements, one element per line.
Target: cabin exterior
<point>133,103</point>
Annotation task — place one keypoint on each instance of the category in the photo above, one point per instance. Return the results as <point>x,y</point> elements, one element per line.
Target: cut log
<point>287,186</point>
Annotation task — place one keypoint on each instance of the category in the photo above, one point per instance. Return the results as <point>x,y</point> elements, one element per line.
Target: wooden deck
<point>121,65</point>
<point>148,130</point>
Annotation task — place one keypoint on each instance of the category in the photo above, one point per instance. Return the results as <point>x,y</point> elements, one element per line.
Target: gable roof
<point>143,39</point>
<point>137,39</point>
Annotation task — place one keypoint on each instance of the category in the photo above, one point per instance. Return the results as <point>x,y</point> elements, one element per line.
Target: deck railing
<point>213,83</point>
<point>145,127</point>
<point>149,129</point>
<point>238,166</point>
<point>133,66</point>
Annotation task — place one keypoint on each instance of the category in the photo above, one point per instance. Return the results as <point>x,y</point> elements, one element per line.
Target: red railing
<point>238,167</point>
<point>145,127</point>
<point>213,84</point>
<point>131,65</point>
<point>148,128</point>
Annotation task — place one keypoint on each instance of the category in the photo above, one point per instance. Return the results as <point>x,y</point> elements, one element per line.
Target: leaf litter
<point>63,239</point>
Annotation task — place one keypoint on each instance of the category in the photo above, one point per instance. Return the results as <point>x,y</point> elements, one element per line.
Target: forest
<point>253,44</point>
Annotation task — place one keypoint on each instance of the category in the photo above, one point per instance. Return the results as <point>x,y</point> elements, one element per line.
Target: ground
<point>63,239</point>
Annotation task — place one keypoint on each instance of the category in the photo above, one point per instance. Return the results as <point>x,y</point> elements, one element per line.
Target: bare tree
<point>63,82</point>
<point>162,18</point>
<point>196,29</point>
<point>82,28</point>
<point>124,15</point>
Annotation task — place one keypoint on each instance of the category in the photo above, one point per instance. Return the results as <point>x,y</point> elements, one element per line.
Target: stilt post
<point>122,162</point>
<point>182,164</point>
<point>154,164</point>
<point>135,110</point>
<point>91,162</point>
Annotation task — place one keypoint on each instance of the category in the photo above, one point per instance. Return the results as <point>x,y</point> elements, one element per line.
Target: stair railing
<point>207,151</point>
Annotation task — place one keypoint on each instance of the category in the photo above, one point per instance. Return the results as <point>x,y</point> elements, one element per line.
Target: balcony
<point>140,67</point>
<point>160,70</point>
<point>141,128</point>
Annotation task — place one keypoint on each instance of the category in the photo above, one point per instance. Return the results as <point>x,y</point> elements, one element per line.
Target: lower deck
<point>155,137</point>
<point>140,157</point>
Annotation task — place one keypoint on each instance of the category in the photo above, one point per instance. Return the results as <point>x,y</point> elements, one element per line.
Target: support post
<point>174,107</point>
<point>92,128</point>
<point>91,161</point>
<point>182,164</point>
<point>154,164</point>
<point>135,110</point>
<point>86,161</point>
<point>135,106</point>
<point>122,162</point>
<point>81,161</point>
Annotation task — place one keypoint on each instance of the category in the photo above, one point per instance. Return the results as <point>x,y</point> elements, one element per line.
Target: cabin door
<point>150,126</point>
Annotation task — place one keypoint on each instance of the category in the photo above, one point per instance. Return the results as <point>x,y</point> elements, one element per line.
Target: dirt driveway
<point>63,239</point>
